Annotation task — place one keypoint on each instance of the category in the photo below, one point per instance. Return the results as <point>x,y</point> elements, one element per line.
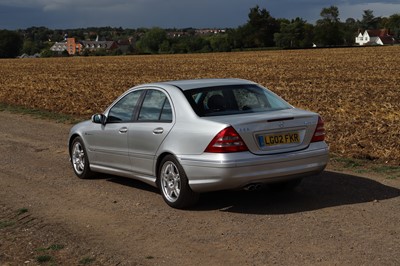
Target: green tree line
<point>260,31</point>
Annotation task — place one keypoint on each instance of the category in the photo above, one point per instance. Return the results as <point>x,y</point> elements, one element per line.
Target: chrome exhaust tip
<point>252,187</point>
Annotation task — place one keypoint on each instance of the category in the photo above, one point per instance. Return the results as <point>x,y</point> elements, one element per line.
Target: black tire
<point>286,185</point>
<point>173,184</point>
<point>79,159</point>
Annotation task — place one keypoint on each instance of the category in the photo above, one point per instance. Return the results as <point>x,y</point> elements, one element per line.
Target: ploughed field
<point>356,90</point>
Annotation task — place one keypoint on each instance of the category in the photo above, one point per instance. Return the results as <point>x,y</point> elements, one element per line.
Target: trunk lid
<point>274,132</point>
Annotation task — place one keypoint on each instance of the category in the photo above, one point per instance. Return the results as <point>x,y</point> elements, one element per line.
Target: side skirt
<point>151,180</point>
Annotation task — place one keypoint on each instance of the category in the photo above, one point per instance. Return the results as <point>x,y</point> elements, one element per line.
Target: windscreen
<point>234,99</point>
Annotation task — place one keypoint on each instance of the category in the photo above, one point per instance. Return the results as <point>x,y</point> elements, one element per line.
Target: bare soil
<point>50,217</point>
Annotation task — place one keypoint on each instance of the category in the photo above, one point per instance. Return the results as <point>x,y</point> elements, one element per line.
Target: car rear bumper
<point>211,172</point>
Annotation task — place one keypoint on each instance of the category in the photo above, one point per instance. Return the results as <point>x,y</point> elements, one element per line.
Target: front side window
<point>233,99</point>
<point>123,110</point>
<point>155,107</point>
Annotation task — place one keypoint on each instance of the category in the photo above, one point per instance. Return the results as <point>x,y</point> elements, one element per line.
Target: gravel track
<point>45,211</point>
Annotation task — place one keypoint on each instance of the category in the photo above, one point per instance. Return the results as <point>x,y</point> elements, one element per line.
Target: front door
<point>111,145</point>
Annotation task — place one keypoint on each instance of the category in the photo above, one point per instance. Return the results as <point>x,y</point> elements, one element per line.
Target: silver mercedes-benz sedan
<point>192,136</point>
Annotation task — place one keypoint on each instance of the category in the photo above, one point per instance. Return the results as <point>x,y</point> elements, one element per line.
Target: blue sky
<point>67,14</point>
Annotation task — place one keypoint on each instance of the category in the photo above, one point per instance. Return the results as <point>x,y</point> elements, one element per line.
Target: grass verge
<point>43,114</point>
<point>363,166</point>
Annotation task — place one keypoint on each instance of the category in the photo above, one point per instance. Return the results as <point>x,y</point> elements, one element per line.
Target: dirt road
<point>48,215</point>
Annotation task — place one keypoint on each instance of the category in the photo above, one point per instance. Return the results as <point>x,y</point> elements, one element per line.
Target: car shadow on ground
<point>328,189</point>
<point>129,182</point>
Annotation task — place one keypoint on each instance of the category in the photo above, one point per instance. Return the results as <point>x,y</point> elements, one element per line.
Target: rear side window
<point>155,107</point>
<point>236,99</point>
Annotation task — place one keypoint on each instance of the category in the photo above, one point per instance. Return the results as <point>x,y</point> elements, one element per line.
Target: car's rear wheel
<point>173,184</point>
<point>79,159</point>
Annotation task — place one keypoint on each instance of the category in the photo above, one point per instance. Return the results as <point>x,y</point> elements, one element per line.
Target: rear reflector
<point>319,134</point>
<point>227,140</point>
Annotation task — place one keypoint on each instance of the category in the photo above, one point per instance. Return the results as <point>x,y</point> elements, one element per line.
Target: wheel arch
<point>71,139</point>
<point>158,163</point>
<point>174,186</point>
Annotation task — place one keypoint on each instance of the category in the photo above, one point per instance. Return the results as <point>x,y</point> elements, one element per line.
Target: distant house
<point>209,31</point>
<point>59,47</point>
<point>74,47</point>
<point>175,34</point>
<point>37,55</point>
<point>69,45</point>
<point>375,37</point>
<point>94,45</point>
<point>126,46</point>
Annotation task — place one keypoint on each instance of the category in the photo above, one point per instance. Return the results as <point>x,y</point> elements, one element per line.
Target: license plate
<point>279,139</point>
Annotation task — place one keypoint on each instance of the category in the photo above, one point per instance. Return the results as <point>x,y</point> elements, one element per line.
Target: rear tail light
<point>319,134</point>
<point>227,140</point>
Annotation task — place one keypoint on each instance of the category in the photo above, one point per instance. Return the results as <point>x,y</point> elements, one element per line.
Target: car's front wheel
<point>79,159</point>
<point>173,184</point>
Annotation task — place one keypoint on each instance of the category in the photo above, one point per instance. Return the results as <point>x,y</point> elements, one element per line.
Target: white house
<point>375,37</point>
<point>59,47</point>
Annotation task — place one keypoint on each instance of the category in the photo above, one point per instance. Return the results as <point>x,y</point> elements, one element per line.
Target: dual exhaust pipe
<point>253,187</point>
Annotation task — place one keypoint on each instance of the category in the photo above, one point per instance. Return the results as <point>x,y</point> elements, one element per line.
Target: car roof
<point>202,83</point>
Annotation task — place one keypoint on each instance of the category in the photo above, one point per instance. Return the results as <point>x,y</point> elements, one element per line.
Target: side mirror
<point>99,119</point>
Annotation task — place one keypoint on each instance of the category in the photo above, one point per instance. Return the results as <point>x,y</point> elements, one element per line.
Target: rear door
<point>152,124</point>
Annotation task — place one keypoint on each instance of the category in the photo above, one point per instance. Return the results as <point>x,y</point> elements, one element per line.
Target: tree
<point>263,27</point>
<point>294,34</point>
<point>241,37</point>
<point>36,39</point>
<point>219,43</point>
<point>178,47</point>
<point>10,44</point>
<point>30,47</point>
<point>191,44</point>
<point>328,29</point>
<point>258,31</point>
<point>165,47</point>
<point>330,14</point>
<point>369,21</point>
<point>151,41</point>
<point>47,53</point>
<point>350,28</point>
<point>393,24</point>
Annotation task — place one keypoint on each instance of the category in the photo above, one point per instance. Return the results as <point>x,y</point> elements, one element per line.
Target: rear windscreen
<point>234,99</point>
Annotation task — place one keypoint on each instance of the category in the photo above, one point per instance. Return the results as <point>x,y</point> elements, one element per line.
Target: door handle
<point>158,130</point>
<point>123,130</point>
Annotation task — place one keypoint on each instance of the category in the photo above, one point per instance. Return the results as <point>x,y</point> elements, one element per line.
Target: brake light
<point>319,134</point>
<point>227,140</point>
